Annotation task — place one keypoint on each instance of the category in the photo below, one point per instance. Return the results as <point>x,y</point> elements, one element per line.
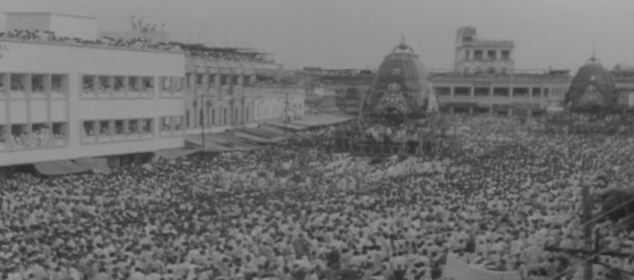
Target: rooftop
<point>48,14</point>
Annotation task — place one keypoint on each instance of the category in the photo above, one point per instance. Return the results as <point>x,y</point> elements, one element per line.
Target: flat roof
<point>49,14</point>
<point>64,44</point>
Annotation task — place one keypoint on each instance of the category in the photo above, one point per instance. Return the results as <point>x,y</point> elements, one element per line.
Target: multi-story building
<point>477,55</point>
<point>484,80</point>
<point>224,91</point>
<point>350,86</point>
<point>624,83</point>
<point>62,99</point>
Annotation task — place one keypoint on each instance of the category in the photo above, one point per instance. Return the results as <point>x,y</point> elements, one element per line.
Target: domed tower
<point>592,88</point>
<point>401,85</point>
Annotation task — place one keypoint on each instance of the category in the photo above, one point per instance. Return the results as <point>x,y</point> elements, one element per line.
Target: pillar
<point>451,109</point>
<point>510,111</point>
<point>451,91</point>
<point>471,92</point>
<point>471,110</point>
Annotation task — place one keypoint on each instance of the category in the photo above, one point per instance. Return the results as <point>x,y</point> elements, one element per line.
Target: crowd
<point>295,211</point>
<point>50,37</point>
<point>137,44</point>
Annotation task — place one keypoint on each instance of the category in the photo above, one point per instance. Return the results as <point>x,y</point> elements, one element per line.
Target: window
<point>546,92</point>
<point>148,84</point>
<point>491,70</point>
<point>146,127</point>
<point>119,127</point>
<point>179,123</point>
<point>478,70</point>
<point>212,80</point>
<point>37,84</point>
<point>134,83</point>
<point>506,54</point>
<point>478,54</point>
<point>223,80</point>
<point>17,82</point>
<point>104,84</point>
<point>119,83</point>
<point>104,128</point>
<point>492,54</point>
<point>224,117</point>
<point>4,82</point>
<point>536,92</point>
<point>89,128</point>
<point>179,82</point>
<point>467,39</point>
<point>40,136</point>
<point>133,127</point>
<point>166,84</point>
<point>19,135</point>
<point>58,83</point>
<point>3,136</point>
<point>165,124</point>
<point>60,133</point>
<point>199,80</point>
<point>504,70</point>
<point>235,80</point>
<point>88,84</point>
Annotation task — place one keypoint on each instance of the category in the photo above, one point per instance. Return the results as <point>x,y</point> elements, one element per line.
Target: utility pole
<point>587,229</point>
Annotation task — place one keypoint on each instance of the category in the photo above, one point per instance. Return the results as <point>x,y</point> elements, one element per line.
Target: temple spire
<point>594,58</point>
<point>403,39</point>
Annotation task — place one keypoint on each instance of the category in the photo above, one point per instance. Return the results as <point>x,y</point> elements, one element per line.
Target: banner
<point>458,270</point>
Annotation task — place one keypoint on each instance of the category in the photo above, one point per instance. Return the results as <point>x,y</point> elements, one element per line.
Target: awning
<point>287,126</point>
<point>322,120</point>
<point>195,141</point>
<point>215,142</point>
<point>97,165</point>
<point>175,153</point>
<point>260,135</point>
<point>253,138</point>
<point>60,167</point>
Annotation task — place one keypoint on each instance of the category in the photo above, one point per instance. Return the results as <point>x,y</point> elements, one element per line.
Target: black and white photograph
<point>316,140</point>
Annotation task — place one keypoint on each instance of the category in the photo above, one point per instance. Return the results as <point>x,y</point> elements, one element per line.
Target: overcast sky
<point>358,33</point>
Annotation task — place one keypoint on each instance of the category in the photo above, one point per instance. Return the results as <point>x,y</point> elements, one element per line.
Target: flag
<point>459,270</point>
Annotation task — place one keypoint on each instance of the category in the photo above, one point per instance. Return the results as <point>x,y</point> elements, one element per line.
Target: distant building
<point>62,25</point>
<point>484,80</point>
<point>478,55</point>
<point>624,83</point>
<point>348,86</point>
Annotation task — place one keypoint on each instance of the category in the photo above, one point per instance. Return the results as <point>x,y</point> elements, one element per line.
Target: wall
<point>74,26</point>
<point>28,21</point>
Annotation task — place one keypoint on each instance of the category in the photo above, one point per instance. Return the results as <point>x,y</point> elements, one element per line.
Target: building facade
<point>223,94</point>
<point>477,55</point>
<point>484,80</point>
<point>67,101</point>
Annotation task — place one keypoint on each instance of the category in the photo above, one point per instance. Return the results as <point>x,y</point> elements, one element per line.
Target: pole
<point>588,229</point>
<point>202,101</point>
<point>286,112</point>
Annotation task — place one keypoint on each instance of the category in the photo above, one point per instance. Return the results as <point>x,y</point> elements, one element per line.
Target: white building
<point>62,101</point>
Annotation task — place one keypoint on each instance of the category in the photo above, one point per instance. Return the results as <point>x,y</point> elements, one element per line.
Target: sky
<point>359,33</point>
